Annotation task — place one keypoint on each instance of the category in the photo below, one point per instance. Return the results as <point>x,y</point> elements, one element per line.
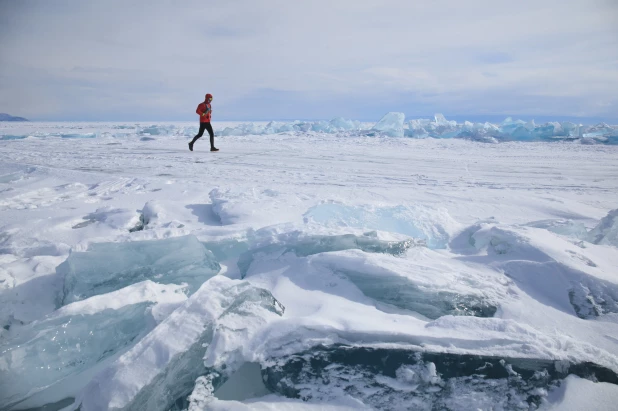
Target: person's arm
<point>200,111</point>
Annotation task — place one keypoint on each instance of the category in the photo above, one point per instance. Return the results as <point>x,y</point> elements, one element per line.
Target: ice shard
<point>210,335</point>
<point>107,267</point>
<point>391,125</point>
<point>45,354</point>
<point>399,378</point>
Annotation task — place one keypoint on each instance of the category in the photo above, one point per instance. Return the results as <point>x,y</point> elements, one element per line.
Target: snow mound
<point>261,207</point>
<point>538,265</point>
<point>580,394</point>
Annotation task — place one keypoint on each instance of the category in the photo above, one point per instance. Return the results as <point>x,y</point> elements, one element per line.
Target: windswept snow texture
<point>108,267</point>
<point>308,266</point>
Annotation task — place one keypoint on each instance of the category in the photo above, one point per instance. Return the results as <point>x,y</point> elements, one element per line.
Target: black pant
<point>205,126</point>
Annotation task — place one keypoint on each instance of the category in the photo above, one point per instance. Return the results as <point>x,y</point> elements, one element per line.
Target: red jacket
<point>204,111</point>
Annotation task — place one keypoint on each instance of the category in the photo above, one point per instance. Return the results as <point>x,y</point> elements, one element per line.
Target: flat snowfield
<point>304,271</point>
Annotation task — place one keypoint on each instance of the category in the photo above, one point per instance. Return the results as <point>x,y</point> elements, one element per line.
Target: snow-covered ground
<point>304,270</point>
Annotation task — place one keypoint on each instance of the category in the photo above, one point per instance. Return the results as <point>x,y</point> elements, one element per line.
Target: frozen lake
<point>292,263</point>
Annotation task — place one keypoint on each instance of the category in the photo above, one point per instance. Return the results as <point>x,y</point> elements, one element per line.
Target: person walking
<point>204,110</point>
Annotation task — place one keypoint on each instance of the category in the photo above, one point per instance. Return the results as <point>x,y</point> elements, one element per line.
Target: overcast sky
<point>284,59</point>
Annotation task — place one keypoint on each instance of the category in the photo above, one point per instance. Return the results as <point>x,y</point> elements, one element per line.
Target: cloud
<point>320,59</point>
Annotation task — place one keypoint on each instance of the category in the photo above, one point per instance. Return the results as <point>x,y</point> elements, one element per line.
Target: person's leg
<point>200,133</point>
<point>212,135</point>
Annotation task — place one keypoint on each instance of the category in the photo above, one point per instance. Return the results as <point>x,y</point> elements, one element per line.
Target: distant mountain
<point>8,117</point>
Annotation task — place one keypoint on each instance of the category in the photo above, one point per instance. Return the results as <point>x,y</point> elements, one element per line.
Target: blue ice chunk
<point>401,292</point>
<point>107,267</point>
<point>123,127</point>
<point>214,325</point>
<point>315,244</point>
<point>157,130</point>
<point>242,130</point>
<point>152,130</point>
<point>320,126</point>
<point>544,132</point>
<point>341,124</point>
<point>398,219</point>
<point>285,127</point>
<point>440,120</point>
<point>48,351</point>
<point>12,137</point>
<point>274,127</point>
<point>521,133</point>
<point>391,124</point>
<point>570,129</point>
<point>438,127</point>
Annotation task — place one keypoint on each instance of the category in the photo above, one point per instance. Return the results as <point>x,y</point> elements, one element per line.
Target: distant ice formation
<point>392,124</point>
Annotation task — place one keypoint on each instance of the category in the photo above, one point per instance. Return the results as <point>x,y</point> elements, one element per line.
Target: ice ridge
<point>392,124</point>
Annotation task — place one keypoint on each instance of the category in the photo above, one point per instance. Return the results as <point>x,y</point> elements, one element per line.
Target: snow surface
<point>135,274</point>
